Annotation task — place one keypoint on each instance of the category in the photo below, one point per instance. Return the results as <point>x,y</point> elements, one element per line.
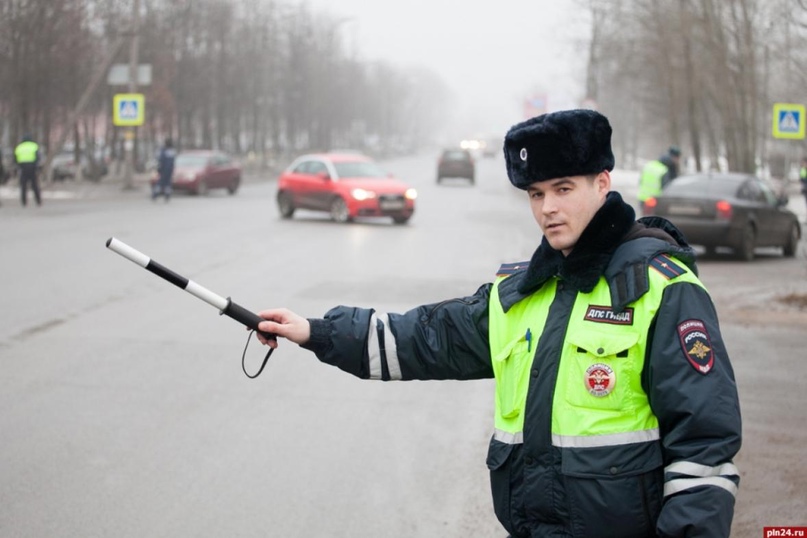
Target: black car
<point>458,163</point>
<point>733,210</point>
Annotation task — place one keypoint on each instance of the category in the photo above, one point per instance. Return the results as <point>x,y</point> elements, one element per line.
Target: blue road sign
<point>788,120</point>
<point>128,109</point>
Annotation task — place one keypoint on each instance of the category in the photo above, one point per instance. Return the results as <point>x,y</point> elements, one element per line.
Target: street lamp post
<point>129,133</point>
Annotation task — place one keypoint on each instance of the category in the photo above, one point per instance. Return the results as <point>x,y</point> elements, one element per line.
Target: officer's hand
<point>285,323</point>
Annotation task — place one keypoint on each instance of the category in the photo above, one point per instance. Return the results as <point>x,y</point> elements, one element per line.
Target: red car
<point>198,171</point>
<point>345,185</point>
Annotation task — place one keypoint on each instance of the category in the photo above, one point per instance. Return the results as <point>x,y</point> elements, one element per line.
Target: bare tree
<point>241,75</point>
<point>696,72</point>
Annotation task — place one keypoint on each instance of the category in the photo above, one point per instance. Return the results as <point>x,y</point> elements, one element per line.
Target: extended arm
<point>446,340</point>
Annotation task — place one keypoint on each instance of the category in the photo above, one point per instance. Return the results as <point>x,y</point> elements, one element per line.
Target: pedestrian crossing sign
<point>788,121</point>
<point>128,109</point>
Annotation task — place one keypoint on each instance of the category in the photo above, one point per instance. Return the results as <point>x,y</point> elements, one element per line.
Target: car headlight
<point>361,194</point>
<point>411,194</point>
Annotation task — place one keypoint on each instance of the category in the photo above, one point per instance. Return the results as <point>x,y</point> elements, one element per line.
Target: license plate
<point>689,210</point>
<point>392,204</point>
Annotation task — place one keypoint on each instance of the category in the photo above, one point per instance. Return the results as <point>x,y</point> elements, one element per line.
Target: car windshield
<point>702,186</point>
<point>359,169</point>
<point>191,161</point>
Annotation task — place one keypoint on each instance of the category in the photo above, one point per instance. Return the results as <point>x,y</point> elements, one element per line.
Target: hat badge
<point>523,154</point>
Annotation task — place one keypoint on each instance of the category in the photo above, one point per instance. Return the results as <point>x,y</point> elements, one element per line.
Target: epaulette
<point>666,267</point>
<point>510,268</point>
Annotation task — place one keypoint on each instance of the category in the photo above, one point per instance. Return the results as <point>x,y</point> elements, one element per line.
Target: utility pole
<point>130,132</point>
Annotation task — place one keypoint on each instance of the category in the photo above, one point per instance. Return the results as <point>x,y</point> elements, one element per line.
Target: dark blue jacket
<point>682,485</point>
<point>165,164</point>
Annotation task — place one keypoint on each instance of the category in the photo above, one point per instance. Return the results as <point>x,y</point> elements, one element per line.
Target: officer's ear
<point>603,182</point>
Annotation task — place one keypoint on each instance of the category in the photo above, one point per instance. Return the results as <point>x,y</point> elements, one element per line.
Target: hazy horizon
<point>492,57</point>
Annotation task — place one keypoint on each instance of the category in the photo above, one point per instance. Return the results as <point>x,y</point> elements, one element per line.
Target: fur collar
<point>590,256</point>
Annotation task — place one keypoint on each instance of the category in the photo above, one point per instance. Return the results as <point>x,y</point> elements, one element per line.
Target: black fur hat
<point>558,144</point>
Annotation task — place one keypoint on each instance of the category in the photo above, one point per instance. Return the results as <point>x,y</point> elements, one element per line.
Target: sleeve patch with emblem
<point>696,344</point>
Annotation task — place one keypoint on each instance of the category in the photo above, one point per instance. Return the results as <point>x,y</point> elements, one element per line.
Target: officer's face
<point>563,207</point>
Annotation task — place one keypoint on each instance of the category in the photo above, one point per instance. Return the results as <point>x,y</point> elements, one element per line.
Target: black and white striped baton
<point>225,305</point>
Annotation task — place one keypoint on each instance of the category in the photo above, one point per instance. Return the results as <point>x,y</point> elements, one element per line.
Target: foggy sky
<point>492,54</point>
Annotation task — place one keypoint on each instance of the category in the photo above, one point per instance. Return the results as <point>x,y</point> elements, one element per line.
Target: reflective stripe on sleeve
<point>373,349</point>
<point>391,351</point>
<point>682,484</point>
<point>696,469</point>
<point>382,349</point>
<point>611,439</point>
<point>508,438</point>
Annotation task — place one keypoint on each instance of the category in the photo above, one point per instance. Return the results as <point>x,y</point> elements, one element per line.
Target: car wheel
<point>792,245</point>
<point>285,205</point>
<point>202,189</point>
<point>233,188</point>
<point>745,250</point>
<point>339,211</point>
<point>400,220</point>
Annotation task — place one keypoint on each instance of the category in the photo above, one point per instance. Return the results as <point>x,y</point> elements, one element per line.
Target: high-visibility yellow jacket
<point>26,152</point>
<point>652,180</point>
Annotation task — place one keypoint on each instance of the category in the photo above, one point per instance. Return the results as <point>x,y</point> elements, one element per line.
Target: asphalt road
<point>124,411</point>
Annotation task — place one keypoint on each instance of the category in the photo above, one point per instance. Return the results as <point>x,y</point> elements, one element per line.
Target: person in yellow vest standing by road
<point>616,410</point>
<point>26,155</point>
<point>657,174</point>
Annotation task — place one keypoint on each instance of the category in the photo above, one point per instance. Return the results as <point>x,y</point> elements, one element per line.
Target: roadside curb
<point>72,189</point>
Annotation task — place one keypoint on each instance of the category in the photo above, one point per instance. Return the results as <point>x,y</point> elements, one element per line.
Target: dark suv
<point>456,163</point>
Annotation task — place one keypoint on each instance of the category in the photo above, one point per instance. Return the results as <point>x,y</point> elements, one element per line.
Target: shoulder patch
<point>697,345</point>
<point>510,268</point>
<point>664,265</point>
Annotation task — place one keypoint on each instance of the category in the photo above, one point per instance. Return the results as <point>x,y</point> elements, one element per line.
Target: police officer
<point>26,156</point>
<point>616,409</point>
<point>657,174</point>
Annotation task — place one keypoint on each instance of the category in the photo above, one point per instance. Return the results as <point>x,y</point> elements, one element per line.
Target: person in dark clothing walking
<point>26,156</point>
<point>165,168</point>
<point>803,177</point>
<point>672,160</point>
<point>616,408</point>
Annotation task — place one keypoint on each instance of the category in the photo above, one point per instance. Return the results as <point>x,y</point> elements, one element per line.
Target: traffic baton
<point>225,306</point>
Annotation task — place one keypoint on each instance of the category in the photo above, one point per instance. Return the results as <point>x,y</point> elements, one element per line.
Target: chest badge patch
<point>606,314</point>
<point>600,379</point>
<point>696,345</point>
